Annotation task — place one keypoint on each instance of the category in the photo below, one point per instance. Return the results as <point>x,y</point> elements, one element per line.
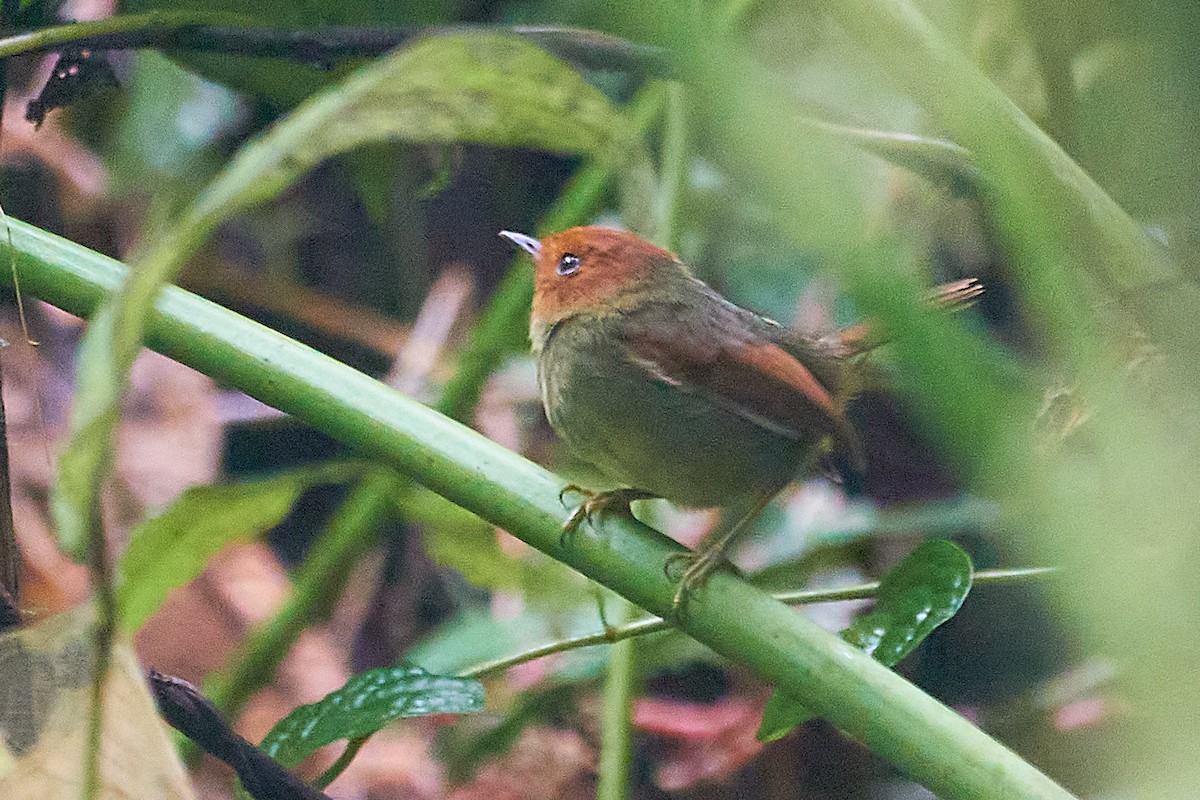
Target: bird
<point>672,391</point>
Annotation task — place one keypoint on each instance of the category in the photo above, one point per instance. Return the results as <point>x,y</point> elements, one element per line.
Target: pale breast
<point>647,432</point>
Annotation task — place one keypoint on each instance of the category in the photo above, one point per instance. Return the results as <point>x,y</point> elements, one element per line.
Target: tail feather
<point>956,295</point>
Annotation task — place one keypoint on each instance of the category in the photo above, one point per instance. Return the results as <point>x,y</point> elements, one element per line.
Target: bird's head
<point>592,270</point>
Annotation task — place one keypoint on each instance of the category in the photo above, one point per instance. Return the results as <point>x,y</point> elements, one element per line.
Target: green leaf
<point>368,702</point>
<point>169,550</point>
<point>481,88</point>
<point>915,597</point>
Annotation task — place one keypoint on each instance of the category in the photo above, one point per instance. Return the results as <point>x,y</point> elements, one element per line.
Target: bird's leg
<point>710,552</point>
<point>594,503</point>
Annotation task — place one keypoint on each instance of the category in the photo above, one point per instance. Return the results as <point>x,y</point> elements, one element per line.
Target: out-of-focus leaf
<point>366,703</point>
<point>480,88</point>
<point>460,540</point>
<point>45,715</point>
<point>169,550</point>
<point>917,595</point>
<point>172,118</point>
<point>465,749</point>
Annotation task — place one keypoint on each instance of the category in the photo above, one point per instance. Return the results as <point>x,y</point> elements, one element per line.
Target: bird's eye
<point>568,264</point>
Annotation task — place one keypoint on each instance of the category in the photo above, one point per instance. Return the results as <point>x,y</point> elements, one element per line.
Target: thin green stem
<point>616,717</point>
<point>895,719</point>
<point>343,760</point>
<point>57,36</point>
<point>100,569</point>
<point>648,625</point>
<point>674,170</point>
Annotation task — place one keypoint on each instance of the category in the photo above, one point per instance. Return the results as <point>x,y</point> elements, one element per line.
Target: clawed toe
<point>572,488</point>
<point>594,503</point>
<point>699,567</point>
<point>677,564</point>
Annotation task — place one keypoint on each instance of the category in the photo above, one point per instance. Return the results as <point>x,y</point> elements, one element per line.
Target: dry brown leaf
<point>44,713</point>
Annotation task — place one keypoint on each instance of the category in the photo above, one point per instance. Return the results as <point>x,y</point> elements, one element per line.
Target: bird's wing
<point>721,356</point>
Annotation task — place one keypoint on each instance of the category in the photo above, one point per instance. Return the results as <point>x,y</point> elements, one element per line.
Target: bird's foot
<point>617,500</point>
<point>696,569</point>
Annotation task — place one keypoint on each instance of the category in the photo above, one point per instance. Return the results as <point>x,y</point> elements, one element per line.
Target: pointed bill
<point>527,243</point>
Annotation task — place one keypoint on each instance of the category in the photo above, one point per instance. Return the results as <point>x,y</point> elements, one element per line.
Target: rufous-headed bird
<point>674,392</point>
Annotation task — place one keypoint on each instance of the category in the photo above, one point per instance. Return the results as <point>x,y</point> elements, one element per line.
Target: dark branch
<point>190,713</point>
<point>10,556</point>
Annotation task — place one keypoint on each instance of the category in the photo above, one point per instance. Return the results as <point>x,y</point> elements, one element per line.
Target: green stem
<point>338,767</point>
<point>100,570</point>
<point>647,625</point>
<point>674,167</point>
<point>616,717</point>
<point>890,716</point>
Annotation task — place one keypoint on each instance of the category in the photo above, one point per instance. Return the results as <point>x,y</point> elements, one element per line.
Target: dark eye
<point>568,264</point>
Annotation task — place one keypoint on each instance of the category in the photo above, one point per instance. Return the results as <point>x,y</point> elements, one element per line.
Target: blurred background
<point>387,256</point>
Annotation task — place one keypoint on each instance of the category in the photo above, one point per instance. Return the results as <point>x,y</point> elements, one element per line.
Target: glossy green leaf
<point>369,701</point>
<point>480,88</point>
<point>915,597</point>
<point>172,548</point>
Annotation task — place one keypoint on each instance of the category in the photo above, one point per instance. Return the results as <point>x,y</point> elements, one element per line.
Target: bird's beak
<point>527,243</point>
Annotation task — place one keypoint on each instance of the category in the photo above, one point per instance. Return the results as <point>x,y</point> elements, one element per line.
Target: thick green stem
<point>873,705</point>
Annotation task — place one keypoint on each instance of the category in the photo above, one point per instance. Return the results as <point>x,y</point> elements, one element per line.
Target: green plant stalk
<point>674,169</point>
<point>318,584</point>
<point>616,716</point>
<point>893,718</point>
<point>339,766</point>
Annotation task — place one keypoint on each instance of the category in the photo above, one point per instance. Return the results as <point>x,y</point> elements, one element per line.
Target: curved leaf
<point>915,597</point>
<point>169,550</point>
<point>368,702</point>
